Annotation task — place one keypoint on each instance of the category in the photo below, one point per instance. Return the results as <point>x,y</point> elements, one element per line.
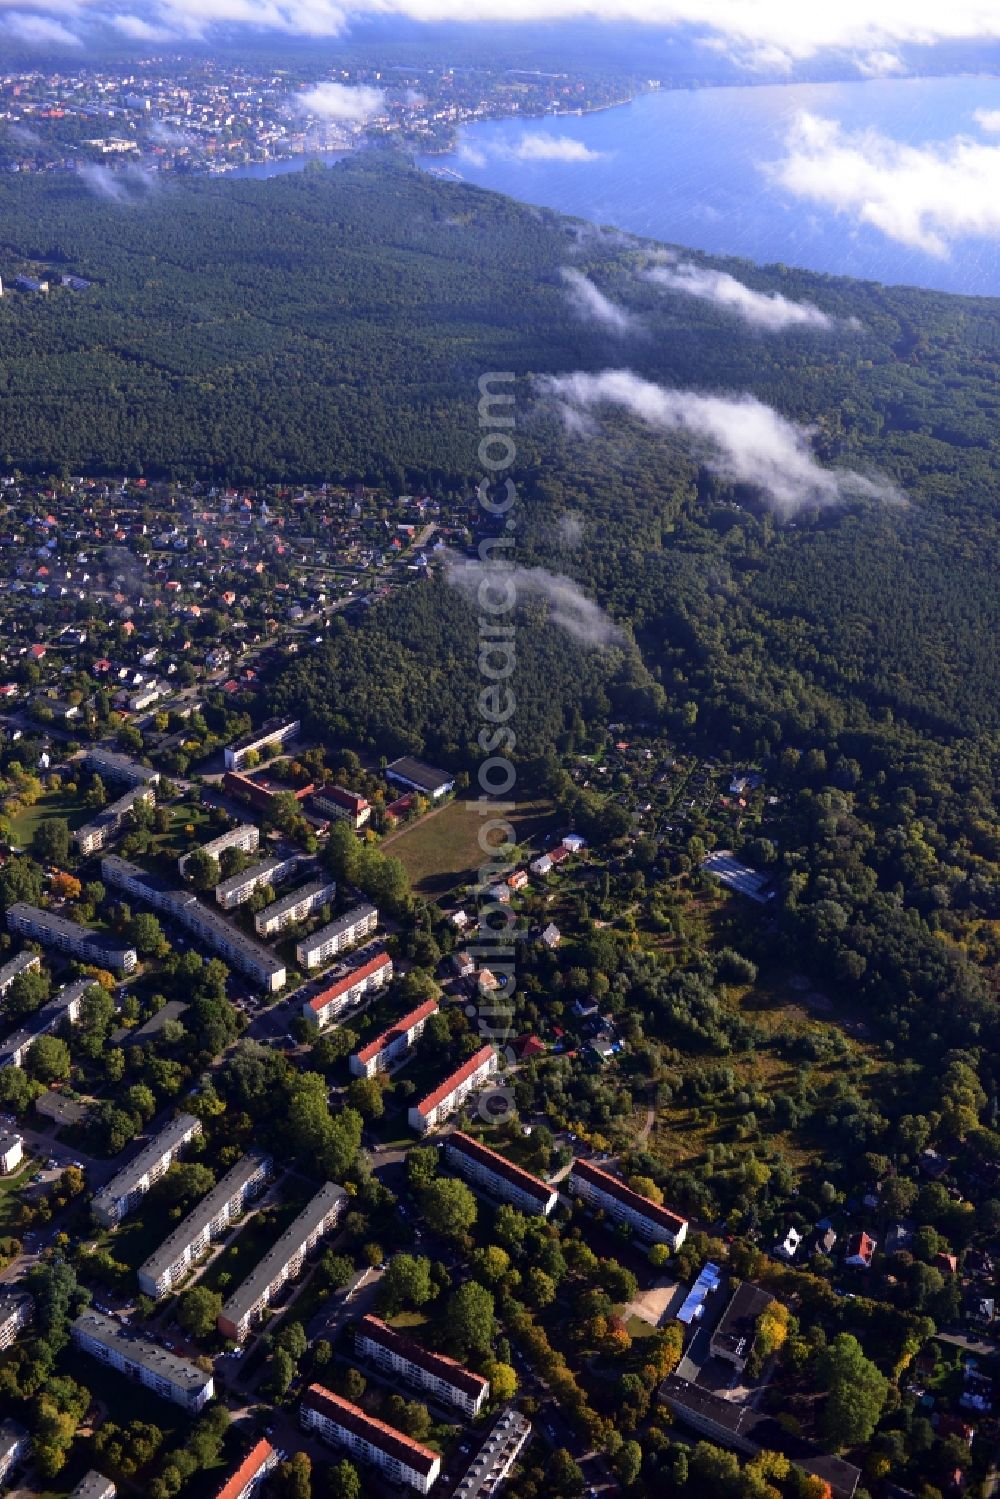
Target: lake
<point>691,167</point>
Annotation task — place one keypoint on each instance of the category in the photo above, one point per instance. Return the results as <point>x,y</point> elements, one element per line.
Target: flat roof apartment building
<point>648,1220</point>
<point>431,1373</point>
<point>240,887</point>
<point>14,967</point>
<point>325,1006</point>
<point>452,1093</point>
<point>246,838</point>
<point>394,1043</point>
<point>297,905</point>
<point>207,1220</point>
<point>68,937</point>
<point>64,1008</point>
<point>277,731</point>
<point>166,1374</point>
<point>252,1471</point>
<point>337,936</point>
<point>15,1444</point>
<point>498,1176</point>
<point>398,1457</point>
<point>115,1201</point>
<point>341,806</point>
<point>16,1311</point>
<point>202,921</point>
<point>282,1262</point>
<point>109,822</point>
<point>111,766</point>
<point>94,1485</point>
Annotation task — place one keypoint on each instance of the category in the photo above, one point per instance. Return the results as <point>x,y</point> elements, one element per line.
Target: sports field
<point>442,851</point>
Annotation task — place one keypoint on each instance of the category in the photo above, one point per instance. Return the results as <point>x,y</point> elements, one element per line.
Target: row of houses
<point>329,1003</point>
<point>240,951</point>
<point>207,1221</point>
<point>80,942</point>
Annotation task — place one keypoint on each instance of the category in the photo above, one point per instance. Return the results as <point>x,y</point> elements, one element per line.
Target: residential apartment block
<point>342,806</point>
<point>492,1463</point>
<point>16,1311</point>
<point>340,934</point>
<point>111,766</point>
<point>431,1373</point>
<point>452,1093</point>
<point>205,923</point>
<point>164,1373</point>
<point>277,731</point>
<point>207,1220</point>
<point>15,1444</point>
<point>94,1485</point>
<point>132,1182</point>
<point>79,942</point>
<point>647,1220</point>
<point>498,1176</point>
<point>398,1457</point>
<point>108,823</point>
<point>252,1471</point>
<point>240,887</point>
<point>297,905</point>
<point>11,1152</point>
<point>325,1006</point>
<point>63,1009</point>
<point>393,1044</point>
<point>246,838</point>
<point>282,1262</point>
<point>14,967</point>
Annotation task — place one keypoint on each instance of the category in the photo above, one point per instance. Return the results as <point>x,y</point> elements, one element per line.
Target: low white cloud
<point>925,196</point>
<point>739,437</point>
<point>987,119</point>
<point>341,102</point>
<point>124,186</point>
<point>880,64</point>
<point>590,304</point>
<point>38,30</point>
<point>569,607</point>
<point>539,146</point>
<point>769,311</point>
<point>140,30</point>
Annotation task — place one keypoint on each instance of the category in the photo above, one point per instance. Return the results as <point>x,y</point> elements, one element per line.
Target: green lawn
<point>9,1188</point>
<point>250,1245</point>
<point>442,850</point>
<point>53,804</point>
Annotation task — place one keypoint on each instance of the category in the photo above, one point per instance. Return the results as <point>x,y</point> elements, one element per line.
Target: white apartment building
<point>14,967</point>
<point>277,731</point>
<point>324,1007</point>
<point>65,1007</point>
<point>393,1044</point>
<point>94,1485</point>
<point>111,766</point>
<point>297,905</point>
<point>70,938</point>
<point>336,937</point>
<point>282,1262</point>
<point>15,1444</point>
<point>240,887</point>
<point>16,1311</point>
<point>110,820</point>
<point>452,1093</point>
<point>431,1373</point>
<point>207,1220</point>
<point>246,838</point>
<point>164,1373</point>
<point>647,1220</point>
<point>398,1457</point>
<point>11,1152</point>
<point>133,1181</point>
<point>252,1471</point>
<point>498,1176</point>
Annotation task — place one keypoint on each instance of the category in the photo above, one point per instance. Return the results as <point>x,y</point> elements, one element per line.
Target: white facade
<point>15,1444</point>
<point>647,1220</point>
<point>164,1373</point>
<point>324,1007</point>
<point>344,932</point>
<point>398,1457</point>
<point>295,907</point>
<point>238,889</point>
<point>282,1262</point>
<point>452,1093</point>
<point>16,1311</point>
<point>246,838</point>
<point>499,1177</point>
<point>431,1373</point>
<point>66,936</point>
<point>11,1153</point>
<point>275,732</point>
<point>393,1044</point>
<point>132,1183</point>
<point>209,1218</point>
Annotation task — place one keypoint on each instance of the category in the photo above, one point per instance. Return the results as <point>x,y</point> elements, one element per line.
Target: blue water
<point>690,167</point>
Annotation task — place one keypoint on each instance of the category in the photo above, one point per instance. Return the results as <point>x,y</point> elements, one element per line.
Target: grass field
<point>56,804</point>
<point>442,850</point>
<point>9,1188</point>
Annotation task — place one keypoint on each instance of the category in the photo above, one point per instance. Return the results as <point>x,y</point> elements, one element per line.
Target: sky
<point>769,35</point>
